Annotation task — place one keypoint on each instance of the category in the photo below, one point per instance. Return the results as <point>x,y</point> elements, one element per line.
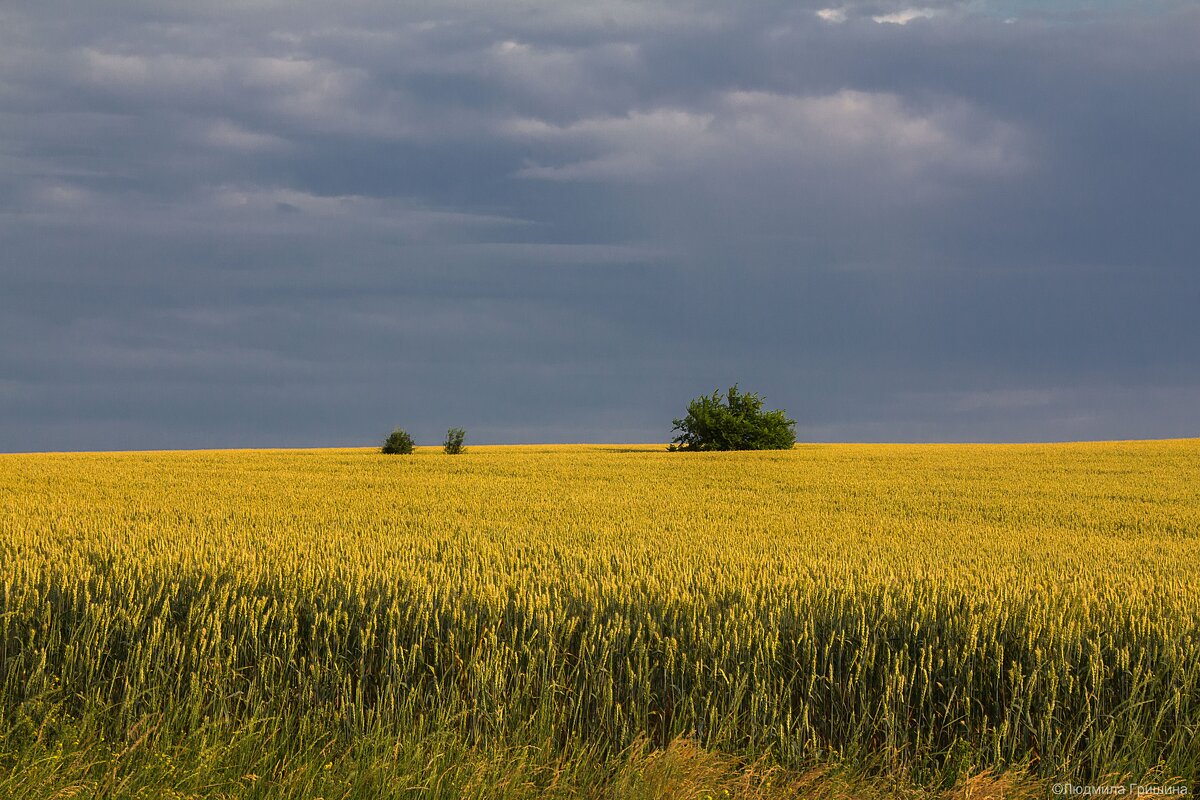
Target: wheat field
<point>304,623</point>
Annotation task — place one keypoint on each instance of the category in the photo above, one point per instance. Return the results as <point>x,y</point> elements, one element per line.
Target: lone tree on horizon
<point>734,421</point>
<point>398,442</point>
<point>453,445</point>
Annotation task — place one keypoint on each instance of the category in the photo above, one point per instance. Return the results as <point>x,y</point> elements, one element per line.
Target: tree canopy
<point>733,421</point>
<point>398,442</point>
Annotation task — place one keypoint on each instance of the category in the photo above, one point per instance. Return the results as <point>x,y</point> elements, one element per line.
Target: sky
<point>282,224</point>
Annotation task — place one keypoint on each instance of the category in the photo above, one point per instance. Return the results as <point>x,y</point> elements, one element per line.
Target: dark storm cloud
<point>288,223</point>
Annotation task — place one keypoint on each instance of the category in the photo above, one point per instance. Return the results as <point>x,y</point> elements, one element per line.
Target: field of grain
<point>305,623</point>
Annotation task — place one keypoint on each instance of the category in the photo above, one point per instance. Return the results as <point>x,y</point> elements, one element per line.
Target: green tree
<point>454,441</point>
<point>398,442</point>
<point>735,421</point>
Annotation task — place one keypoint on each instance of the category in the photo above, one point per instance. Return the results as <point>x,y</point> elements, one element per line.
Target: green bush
<point>454,441</point>
<point>735,421</point>
<point>398,442</point>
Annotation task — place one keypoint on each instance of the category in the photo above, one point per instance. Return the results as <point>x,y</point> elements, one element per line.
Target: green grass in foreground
<point>267,759</point>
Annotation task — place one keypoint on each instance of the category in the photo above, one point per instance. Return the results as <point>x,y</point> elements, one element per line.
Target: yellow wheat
<point>1019,603</point>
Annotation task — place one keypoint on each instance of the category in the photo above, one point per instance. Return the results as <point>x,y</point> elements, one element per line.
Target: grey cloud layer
<point>285,224</point>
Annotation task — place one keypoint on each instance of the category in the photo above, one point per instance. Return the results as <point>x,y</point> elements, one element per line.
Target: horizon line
<point>663,445</point>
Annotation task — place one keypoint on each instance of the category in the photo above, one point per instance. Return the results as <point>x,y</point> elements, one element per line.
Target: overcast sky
<point>282,223</point>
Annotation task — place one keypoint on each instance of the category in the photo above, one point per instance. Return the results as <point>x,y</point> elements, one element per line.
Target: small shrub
<point>454,441</point>
<point>398,442</point>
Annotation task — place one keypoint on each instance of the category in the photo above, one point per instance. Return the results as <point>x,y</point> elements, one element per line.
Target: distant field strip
<point>903,606</point>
